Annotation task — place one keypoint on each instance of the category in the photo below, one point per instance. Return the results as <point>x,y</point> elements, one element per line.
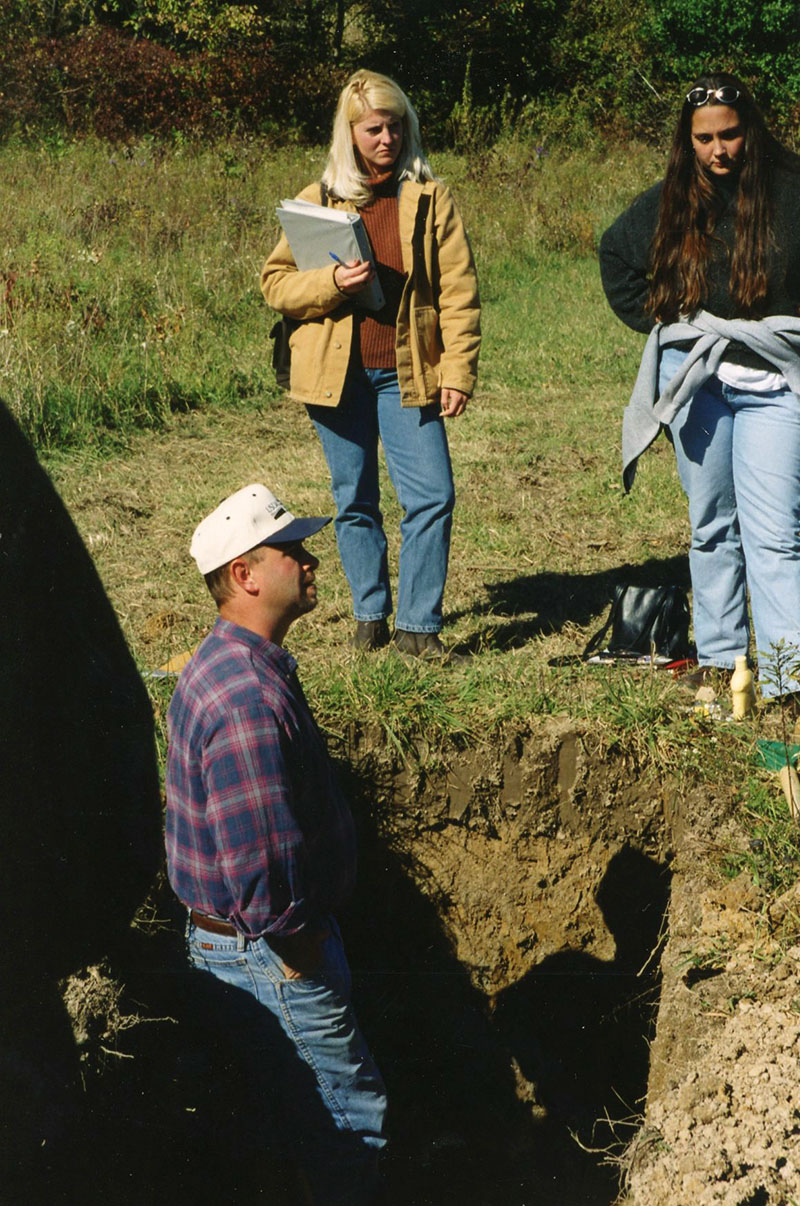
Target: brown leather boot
<point>426,645</point>
<point>370,635</point>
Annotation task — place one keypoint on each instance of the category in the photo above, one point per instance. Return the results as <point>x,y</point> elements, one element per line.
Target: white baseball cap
<point>249,517</point>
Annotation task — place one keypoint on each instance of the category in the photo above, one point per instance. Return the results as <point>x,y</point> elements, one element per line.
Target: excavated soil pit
<point>506,942</point>
<point>505,948</point>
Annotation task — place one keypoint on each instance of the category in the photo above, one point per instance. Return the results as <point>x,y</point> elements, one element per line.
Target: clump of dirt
<point>92,998</point>
<point>730,1133</point>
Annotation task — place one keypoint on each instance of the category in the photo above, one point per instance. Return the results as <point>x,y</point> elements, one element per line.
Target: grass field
<point>134,352</point>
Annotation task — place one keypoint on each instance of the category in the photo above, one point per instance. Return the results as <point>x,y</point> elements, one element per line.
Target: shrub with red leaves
<point>108,83</point>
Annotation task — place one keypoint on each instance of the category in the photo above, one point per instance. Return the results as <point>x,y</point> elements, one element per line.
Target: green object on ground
<point>774,753</point>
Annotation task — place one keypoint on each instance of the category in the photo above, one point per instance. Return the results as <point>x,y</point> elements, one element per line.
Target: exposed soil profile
<point>535,881</point>
<point>526,913</point>
<point>722,1124</point>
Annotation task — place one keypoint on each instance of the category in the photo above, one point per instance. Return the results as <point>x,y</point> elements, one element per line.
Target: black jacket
<point>625,255</point>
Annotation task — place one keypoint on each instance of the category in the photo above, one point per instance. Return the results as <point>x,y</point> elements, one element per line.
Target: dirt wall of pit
<point>722,1120</point>
<point>531,878</point>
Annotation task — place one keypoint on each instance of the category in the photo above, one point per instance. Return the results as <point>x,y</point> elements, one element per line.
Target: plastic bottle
<point>743,691</point>
<point>791,789</point>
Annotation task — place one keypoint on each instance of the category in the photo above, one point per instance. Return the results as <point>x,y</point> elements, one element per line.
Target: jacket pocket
<point>318,362</point>
<point>426,347</point>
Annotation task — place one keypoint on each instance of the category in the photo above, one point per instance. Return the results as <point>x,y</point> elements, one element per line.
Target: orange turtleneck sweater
<point>376,329</point>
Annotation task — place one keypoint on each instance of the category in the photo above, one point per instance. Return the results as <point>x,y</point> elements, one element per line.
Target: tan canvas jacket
<point>438,323</point>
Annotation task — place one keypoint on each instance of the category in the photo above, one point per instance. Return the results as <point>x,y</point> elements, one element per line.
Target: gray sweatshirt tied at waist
<point>775,339</point>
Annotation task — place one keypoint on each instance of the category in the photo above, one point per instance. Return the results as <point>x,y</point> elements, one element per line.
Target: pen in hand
<point>354,277</point>
<point>352,264</point>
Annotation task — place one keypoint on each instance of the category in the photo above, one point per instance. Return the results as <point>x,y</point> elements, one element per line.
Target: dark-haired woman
<point>708,262</point>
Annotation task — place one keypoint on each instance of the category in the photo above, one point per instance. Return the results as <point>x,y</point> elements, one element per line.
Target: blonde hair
<point>366,91</point>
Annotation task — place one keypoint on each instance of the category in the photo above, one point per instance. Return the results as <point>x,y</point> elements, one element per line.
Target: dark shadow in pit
<point>579,1027</point>
<point>191,1113</point>
<point>179,1115</point>
<point>559,599</point>
<point>457,1132</point>
<point>80,816</point>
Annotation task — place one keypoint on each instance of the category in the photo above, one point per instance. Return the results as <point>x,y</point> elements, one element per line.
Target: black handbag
<point>282,331</point>
<point>644,621</point>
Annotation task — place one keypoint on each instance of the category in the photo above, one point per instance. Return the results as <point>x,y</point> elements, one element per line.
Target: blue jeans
<point>738,458</point>
<point>324,1090</point>
<point>415,445</point>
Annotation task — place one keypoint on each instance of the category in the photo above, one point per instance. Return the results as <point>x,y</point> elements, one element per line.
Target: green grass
<point>130,276</point>
<point>134,352</point>
<point>408,700</point>
<point>772,857</point>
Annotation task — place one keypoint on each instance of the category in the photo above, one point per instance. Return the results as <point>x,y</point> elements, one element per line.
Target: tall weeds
<point>129,277</point>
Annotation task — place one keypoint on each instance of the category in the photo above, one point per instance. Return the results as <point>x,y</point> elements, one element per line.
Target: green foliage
<point>772,856</point>
<point>307,32</point>
<point>212,25</point>
<point>758,42</point>
<point>603,69</point>
<point>447,56</point>
<point>46,18</point>
<point>586,68</point>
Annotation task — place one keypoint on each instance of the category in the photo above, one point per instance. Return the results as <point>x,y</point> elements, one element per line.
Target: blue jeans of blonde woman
<point>738,457</point>
<point>417,457</point>
<point>323,1095</point>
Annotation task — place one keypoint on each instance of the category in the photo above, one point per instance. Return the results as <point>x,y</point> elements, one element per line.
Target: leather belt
<point>214,925</point>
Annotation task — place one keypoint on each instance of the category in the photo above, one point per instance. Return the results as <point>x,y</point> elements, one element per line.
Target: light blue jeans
<point>738,458</point>
<point>327,1096</point>
<point>415,445</point>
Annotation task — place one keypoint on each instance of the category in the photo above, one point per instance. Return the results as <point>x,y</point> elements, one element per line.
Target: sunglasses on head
<point>727,95</point>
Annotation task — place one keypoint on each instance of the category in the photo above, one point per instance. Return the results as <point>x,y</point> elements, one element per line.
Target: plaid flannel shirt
<point>257,829</point>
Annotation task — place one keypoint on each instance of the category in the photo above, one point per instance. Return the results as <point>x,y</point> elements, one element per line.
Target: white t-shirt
<point>752,380</point>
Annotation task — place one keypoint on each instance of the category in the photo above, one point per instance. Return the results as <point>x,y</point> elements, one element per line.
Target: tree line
<point>121,69</point>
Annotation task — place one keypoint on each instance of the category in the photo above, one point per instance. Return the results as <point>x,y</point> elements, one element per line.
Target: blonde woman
<point>392,375</point>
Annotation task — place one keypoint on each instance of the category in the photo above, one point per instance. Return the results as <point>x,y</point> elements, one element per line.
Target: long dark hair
<point>691,206</point>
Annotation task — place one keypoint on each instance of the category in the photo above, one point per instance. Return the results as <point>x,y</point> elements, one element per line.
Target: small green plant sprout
<point>772,857</point>
<point>781,668</point>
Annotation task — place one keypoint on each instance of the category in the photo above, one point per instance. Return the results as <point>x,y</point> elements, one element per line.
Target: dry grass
<point>542,529</point>
<point>542,532</point>
<point>527,536</point>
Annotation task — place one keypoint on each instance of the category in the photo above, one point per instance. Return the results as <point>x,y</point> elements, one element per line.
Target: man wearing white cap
<point>260,843</point>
